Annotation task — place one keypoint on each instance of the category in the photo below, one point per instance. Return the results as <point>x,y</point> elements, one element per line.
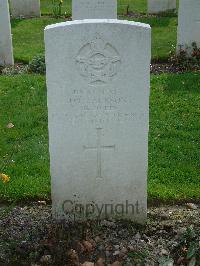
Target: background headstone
<point>158,6</point>
<point>188,25</point>
<point>94,9</point>
<point>25,8</point>
<point>6,50</point>
<point>98,81</point>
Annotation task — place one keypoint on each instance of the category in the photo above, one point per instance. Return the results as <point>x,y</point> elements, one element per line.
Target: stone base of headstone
<point>160,6</point>
<point>25,8</point>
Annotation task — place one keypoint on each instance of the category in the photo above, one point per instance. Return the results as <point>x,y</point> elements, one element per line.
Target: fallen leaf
<point>10,125</point>
<point>73,257</point>
<point>191,206</point>
<point>88,246</point>
<point>117,263</point>
<point>88,263</point>
<point>42,202</point>
<point>100,262</point>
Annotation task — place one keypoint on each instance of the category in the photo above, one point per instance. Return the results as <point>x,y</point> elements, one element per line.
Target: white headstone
<point>158,6</point>
<point>98,114</point>
<point>188,24</point>
<point>6,50</point>
<point>25,8</point>
<point>94,9</point>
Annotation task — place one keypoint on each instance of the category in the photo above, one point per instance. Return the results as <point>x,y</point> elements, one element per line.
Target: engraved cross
<point>99,148</point>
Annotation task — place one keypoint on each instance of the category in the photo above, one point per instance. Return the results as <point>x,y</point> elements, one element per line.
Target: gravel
<point>29,236</point>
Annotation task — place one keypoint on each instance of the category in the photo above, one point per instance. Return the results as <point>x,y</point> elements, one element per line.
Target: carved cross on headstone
<point>99,148</point>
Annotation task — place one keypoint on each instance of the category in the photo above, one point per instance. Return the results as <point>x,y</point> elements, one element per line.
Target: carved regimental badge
<point>98,61</point>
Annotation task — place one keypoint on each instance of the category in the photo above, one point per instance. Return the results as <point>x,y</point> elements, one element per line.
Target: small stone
<point>191,206</point>
<point>138,236</point>
<point>131,248</point>
<point>164,216</point>
<point>116,253</point>
<point>124,250</point>
<point>101,248</point>
<point>46,259</point>
<point>107,253</point>
<point>109,248</point>
<point>164,252</point>
<point>180,260</point>
<point>97,239</point>
<point>107,223</point>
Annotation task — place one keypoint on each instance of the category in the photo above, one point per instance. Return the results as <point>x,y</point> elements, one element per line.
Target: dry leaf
<point>88,263</point>
<point>117,263</point>
<point>88,246</point>
<point>73,256</point>
<point>100,262</point>
<point>10,125</point>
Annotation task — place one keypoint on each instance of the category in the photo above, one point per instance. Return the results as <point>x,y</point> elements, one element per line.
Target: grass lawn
<point>28,36</point>
<point>174,154</point>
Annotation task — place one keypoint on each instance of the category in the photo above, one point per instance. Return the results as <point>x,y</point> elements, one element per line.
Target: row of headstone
<point>98,113</point>
<point>25,8</point>
<point>80,8</point>
<point>188,19</point>
<point>6,50</point>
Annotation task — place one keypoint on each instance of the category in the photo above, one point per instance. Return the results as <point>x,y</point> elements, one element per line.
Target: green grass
<point>174,154</point>
<point>23,102</point>
<point>174,144</point>
<point>28,39</point>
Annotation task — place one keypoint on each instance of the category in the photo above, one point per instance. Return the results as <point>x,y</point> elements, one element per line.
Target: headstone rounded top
<point>97,21</point>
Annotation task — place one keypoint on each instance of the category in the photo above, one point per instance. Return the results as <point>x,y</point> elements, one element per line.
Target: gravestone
<point>158,6</point>
<point>188,25</point>
<point>6,50</point>
<point>98,108</point>
<point>25,8</point>
<point>94,9</point>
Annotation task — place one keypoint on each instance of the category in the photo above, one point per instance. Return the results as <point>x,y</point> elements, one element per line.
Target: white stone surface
<point>98,114</point>
<point>158,6</point>
<point>94,9</point>
<point>188,24</point>
<point>25,8</point>
<point>6,50</point>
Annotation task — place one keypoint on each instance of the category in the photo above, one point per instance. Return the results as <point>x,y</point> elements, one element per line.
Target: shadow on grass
<point>15,22</point>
